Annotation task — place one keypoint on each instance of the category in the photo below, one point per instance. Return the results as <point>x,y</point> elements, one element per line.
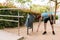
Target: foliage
<point>15,13</point>
<point>3,7</point>
<point>24,1</point>
<point>39,9</point>
<point>0,4</point>
<point>56,17</point>
<point>10,5</point>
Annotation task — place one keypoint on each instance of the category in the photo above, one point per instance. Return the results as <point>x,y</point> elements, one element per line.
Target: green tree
<point>24,1</point>
<point>10,4</point>
<point>40,9</point>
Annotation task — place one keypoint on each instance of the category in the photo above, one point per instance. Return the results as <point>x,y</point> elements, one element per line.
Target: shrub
<point>56,17</point>
<point>12,12</point>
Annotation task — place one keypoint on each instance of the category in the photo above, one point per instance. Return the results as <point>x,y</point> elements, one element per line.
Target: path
<point>8,36</point>
<point>38,35</point>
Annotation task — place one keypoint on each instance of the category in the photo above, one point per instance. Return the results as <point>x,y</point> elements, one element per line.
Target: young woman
<point>29,22</point>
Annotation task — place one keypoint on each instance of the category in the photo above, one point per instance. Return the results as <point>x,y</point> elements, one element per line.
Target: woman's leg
<point>45,23</point>
<point>52,26</point>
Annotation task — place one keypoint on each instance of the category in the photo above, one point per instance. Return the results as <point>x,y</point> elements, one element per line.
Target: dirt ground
<point>37,35</point>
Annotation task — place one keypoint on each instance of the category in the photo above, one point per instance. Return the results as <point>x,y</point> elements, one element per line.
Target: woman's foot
<point>53,32</point>
<point>44,32</point>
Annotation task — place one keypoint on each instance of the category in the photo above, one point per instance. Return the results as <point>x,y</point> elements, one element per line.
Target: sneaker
<point>44,33</point>
<point>53,32</point>
<point>29,27</point>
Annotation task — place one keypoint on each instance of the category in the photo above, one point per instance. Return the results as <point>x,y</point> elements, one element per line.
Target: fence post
<point>18,25</point>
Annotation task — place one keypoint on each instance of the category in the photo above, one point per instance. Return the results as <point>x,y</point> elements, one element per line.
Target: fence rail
<point>8,20</point>
<point>11,16</point>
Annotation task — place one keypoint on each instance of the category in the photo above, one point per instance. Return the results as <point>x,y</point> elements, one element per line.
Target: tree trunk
<point>55,11</point>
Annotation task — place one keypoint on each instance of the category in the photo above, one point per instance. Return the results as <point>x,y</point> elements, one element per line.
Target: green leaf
<point>23,1</point>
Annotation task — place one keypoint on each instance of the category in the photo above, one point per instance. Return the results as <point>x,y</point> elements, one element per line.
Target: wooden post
<point>55,11</point>
<point>18,25</point>
<point>56,3</point>
<point>50,9</point>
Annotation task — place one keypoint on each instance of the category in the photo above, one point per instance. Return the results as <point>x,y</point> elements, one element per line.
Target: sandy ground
<point>9,36</point>
<point>37,35</point>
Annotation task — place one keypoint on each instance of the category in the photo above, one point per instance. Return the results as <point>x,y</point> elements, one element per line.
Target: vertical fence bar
<point>18,25</point>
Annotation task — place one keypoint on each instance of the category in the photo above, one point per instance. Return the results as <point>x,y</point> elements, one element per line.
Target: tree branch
<point>53,0</point>
<point>58,3</point>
